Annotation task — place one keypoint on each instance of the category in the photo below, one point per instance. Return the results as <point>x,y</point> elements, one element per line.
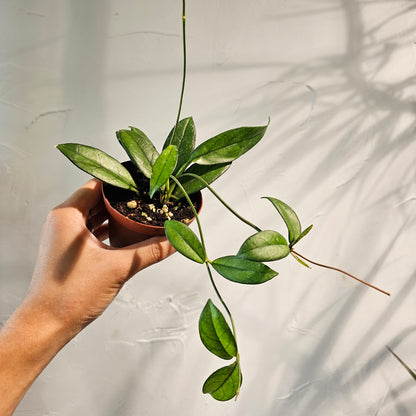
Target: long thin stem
<point>193,210</point>
<point>231,320</point>
<point>205,252</point>
<point>339,270</point>
<point>184,67</point>
<point>222,201</point>
<point>207,262</point>
<point>221,300</point>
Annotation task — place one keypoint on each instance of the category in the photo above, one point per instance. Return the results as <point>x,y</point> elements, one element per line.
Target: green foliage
<point>139,149</point>
<point>163,168</point>
<point>178,171</point>
<point>215,333</point>
<point>184,140</point>
<point>291,220</point>
<point>227,146</point>
<point>184,240</point>
<point>209,173</point>
<point>224,384</point>
<point>244,271</point>
<point>209,160</point>
<point>98,164</point>
<point>298,259</point>
<point>264,246</point>
<point>289,217</point>
<point>302,234</point>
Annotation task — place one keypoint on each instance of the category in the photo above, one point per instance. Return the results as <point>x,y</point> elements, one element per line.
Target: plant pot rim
<point>136,226</point>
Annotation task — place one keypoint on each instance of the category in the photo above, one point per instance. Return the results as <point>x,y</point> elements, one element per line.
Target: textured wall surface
<point>337,78</point>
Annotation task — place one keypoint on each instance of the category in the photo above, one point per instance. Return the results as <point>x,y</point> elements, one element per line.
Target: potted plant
<point>150,188</point>
<point>160,193</point>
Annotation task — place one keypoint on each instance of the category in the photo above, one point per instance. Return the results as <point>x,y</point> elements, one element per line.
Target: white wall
<point>337,79</point>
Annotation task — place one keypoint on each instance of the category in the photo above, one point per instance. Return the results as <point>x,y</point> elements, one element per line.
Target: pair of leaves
<point>218,338</point>
<point>247,266</point>
<point>104,167</point>
<point>234,268</point>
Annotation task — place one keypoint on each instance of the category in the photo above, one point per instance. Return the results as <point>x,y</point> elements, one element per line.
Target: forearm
<point>28,342</point>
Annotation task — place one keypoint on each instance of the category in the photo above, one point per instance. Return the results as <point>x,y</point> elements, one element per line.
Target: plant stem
<point>237,357</point>
<point>221,300</point>
<point>341,271</point>
<point>223,202</point>
<point>211,278</point>
<point>205,251</point>
<point>184,66</point>
<point>194,211</point>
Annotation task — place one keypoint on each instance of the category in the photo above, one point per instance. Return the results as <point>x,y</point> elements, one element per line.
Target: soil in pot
<point>142,209</point>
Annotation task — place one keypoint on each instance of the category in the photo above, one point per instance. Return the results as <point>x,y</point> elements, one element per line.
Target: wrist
<point>44,331</point>
<point>28,342</point>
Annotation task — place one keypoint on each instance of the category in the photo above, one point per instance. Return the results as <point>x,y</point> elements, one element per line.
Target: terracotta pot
<point>123,231</point>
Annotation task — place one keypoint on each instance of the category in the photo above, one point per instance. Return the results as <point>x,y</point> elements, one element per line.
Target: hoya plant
<point>174,174</point>
<point>178,161</point>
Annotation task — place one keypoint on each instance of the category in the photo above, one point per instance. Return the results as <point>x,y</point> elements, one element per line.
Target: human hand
<point>76,275</point>
<point>75,278</point>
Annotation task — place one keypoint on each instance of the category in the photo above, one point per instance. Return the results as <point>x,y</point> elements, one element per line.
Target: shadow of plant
<point>362,112</point>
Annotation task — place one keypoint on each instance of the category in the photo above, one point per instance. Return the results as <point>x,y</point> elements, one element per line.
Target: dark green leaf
<point>409,370</point>
<point>243,271</point>
<point>289,217</point>
<point>264,246</point>
<point>184,140</point>
<point>163,168</point>
<point>184,240</point>
<point>98,164</point>
<point>224,383</point>
<point>302,234</point>
<point>139,149</point>
<point>207,172</point>
<point>227,146</point>
<point>215,333</point>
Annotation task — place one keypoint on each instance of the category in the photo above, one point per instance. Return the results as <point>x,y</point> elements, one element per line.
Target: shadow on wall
<point>362,101</point>
<point>354,102</point>
<point>355,109</point>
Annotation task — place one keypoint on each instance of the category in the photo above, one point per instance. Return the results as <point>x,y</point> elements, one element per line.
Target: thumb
<point>138,256</point>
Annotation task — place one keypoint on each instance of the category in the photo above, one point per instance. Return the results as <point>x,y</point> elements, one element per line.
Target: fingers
<point>85,198</point>
<point>144,254</point>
